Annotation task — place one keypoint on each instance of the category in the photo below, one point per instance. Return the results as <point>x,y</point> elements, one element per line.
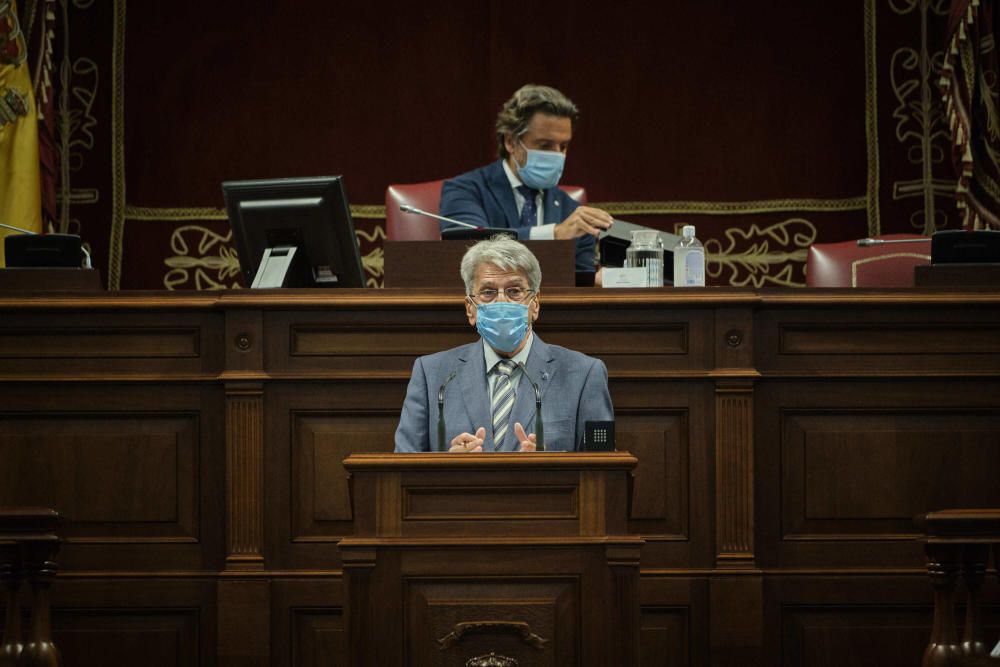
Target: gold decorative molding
<point>753,207</point>
<point>377,212</point>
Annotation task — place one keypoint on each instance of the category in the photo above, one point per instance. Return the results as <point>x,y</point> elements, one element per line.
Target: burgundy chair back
<point>847,265</point>
<point>401,226</point>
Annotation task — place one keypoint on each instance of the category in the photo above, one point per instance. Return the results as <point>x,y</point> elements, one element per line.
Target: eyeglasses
<point>515,294</point>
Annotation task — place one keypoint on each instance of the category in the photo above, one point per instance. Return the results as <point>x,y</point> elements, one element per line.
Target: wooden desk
<point>785,440</point>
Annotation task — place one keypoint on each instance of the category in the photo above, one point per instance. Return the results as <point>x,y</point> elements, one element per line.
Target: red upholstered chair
<point>847,265</point>
<point>401,226</point>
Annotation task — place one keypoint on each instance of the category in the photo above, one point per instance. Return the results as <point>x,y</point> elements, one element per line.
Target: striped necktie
<point>529,214</point>
<point>503,400</point>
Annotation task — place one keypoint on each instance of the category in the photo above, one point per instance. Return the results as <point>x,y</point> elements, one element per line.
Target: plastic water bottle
<point>689,260</point>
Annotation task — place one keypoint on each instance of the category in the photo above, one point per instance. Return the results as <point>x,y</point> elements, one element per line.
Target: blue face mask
<point>502,324</point>
<point>542,169</point>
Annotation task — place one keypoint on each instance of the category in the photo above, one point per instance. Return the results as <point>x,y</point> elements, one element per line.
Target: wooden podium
<point>491,559</point>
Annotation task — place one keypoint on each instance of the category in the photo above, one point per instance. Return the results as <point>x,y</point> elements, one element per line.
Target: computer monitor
<point>294,232</point>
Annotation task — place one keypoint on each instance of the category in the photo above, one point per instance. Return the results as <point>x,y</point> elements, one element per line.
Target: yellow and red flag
<point>20,198</point>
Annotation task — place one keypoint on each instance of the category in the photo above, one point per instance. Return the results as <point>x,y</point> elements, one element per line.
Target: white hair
<point>507,254</point>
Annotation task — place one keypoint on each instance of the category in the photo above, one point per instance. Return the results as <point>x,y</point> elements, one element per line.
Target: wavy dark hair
<point>516,113</point>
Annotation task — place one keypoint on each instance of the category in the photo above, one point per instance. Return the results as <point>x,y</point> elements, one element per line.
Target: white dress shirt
<point>540,232</point>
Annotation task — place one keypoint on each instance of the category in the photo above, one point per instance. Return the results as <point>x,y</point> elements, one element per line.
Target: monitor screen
<point>294,232</point>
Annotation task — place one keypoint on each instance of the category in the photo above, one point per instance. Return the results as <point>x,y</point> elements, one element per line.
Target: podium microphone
<point>441,427</point>
<point>406,208</point>
<point>539,426</point>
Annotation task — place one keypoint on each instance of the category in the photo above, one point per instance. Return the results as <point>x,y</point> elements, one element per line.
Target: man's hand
<point>527,441</point>
<point>466,442</point>
<point>584,220</point>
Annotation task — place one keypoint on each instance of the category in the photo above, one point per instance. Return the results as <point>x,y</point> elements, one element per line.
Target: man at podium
<point>481,396</point>
<point>520,190</point>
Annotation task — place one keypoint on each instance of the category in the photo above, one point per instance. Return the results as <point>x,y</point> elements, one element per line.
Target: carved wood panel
<point>532,620</point>
<point>117,477</point>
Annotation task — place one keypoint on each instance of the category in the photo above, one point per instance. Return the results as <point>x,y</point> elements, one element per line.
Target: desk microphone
<point>406,208</point>
<point>441,428</point>
<point>86,255</point>
<point>864,243</point>
<point>539,426</point>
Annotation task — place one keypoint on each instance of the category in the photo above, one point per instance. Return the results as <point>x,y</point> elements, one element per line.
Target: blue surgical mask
<point>502,324</point>
<point>542,169</point>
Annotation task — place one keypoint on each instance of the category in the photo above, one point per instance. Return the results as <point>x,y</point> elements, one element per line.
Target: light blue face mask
<point>502,324</point>
<point>542,169</point>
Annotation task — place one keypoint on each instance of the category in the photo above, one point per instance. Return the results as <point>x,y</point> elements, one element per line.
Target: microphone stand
<point>539,424</point>
<point>441,426</point>
<point>406,208</point>
<point>864,243</point>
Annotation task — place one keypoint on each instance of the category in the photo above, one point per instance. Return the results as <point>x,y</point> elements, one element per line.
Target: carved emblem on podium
<point>492,660</point>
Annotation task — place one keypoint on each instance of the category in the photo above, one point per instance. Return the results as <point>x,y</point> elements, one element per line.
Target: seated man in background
<point>488,403</point>
<point>519,191</point>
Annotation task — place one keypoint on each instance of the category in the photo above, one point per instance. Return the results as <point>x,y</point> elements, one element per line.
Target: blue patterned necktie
<point>529,213</point>
<point>503,400</point>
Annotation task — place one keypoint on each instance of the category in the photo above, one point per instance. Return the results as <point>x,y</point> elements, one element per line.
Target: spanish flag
<point>20,198</point>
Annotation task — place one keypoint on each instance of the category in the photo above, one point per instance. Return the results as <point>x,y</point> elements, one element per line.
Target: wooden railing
<point>28,545</point>
<point>959,541</point>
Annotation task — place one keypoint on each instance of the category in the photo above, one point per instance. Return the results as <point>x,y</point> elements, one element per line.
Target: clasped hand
<point>469,442</point>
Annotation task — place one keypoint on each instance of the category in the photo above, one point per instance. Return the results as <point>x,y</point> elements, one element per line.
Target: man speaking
<point>481,396</point>
<point>520,190</point>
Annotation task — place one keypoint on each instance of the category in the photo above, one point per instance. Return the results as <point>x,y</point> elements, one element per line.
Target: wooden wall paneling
<point>674,621</point>
<point>244,475</point>
<point>343,340</point>
<point>134,621</point>
<point>132,471</point>
<point>632,340</point>
<point>244,622</point>
<point>853,619</point>
<point>737,629</point>
<point>879,336</point>
<point>308,623</point>
<point>845,465</point>
<point>669,425</point>
<point>310,430</point>
<point>734,474</point>
<point>101,344</point>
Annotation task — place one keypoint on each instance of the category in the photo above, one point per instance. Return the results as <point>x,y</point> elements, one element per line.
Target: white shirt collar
<point>511,176</point>
<point>492,358</point>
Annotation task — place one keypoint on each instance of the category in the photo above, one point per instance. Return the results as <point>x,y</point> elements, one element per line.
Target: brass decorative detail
<point>519,628</point>
<point>748,255</point>
<point>491,660</point>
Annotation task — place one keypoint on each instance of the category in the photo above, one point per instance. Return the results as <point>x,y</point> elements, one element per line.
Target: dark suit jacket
<point>574,389</point>
<point>484,197</point>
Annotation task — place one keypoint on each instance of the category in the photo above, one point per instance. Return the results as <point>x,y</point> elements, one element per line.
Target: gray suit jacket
<point>574,390</point>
